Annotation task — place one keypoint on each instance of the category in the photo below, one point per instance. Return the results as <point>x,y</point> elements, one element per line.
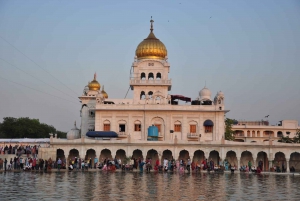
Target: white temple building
<point>156,124</point>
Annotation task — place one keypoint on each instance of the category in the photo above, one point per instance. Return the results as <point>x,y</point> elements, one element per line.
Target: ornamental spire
<point>95,76</point>
<point>151,21</point>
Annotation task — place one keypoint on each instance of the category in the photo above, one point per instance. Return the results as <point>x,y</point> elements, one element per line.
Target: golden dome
<point>151,47</point>
<point>105,95</point>
<point>94,85</point>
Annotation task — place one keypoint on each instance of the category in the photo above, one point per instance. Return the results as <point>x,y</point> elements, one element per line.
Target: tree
<point>287,139</point>
<point>229,134</point>
<point>297,136</point>
<point>25,127</point>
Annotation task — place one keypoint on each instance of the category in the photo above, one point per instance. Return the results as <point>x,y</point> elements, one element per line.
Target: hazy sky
<point>248,49</point>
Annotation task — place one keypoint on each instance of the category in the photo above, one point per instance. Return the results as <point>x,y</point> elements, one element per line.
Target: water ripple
<point>146,186</point>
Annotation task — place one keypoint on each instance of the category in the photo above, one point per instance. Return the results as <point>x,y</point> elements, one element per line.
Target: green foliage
<point>287,139</point>
<point>26,128</point>
<point>229,135</point>
<point>297,137</point>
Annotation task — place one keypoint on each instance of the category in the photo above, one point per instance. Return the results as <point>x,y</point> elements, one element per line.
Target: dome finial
<point>151,21</point>
<point>95,76</point>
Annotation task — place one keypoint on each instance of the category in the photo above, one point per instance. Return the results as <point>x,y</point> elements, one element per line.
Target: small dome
<point>94,85</point>
<point>151,47</point>
<point>220,93</point>
<point>205,94</point>
<point>105,95</point>
<point>86,87</point>
<point>73,133</point>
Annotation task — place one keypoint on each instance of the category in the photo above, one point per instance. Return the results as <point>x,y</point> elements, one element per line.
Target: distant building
<point>259,131</point>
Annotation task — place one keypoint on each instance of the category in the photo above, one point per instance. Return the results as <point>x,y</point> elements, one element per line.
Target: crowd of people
<point>141,164</point>
<point>31,162</point>
<point>27,164</point>
<point>20,149</point>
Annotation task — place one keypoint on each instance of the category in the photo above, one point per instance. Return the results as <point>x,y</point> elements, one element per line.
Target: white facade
<point>188,130</point>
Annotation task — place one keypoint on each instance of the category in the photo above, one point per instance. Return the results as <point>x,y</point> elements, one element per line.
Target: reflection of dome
<point>105,95</point>
<point>73,133</point>
<point>205,94</point>
<point>151,47</point>
<point>94,85</point>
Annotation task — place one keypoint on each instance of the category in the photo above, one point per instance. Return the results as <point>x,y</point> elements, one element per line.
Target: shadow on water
<point>146,186</point>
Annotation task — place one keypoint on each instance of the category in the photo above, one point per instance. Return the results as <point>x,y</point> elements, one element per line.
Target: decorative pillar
<point>270,165</point>
<point>191,157</point>
<point>239,161</point>
<point>287,165</point>
<point>206,155</point>
<point>254,162</point>
<point>51,137</point>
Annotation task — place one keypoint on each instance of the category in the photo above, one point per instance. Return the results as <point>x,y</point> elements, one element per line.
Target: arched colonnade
<point>234,157</point>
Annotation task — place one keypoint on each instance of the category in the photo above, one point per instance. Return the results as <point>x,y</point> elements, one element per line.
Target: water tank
<point>152,133</point>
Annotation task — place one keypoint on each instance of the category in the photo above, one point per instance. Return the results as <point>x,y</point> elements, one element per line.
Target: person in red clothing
<point>33,163</point>
<point>156,165</point>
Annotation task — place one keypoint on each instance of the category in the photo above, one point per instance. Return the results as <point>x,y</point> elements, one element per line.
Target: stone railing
<point>122,134</point>
<point>239,135</point>
<point>139,81</point>
<point>192,135</point>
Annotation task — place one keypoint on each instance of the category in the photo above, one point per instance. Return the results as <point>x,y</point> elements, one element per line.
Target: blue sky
<point>248,49</point>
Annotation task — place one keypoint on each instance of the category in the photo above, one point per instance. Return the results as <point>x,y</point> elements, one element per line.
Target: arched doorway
<point>264,158</point>
<point>121,154</point>
<point>166,154</point>
<point>60,154</point>
<point>137,154</point>
<point>90,155</point>
<point>184,155</point>
<point>72,154</point>
<point>280,161</point>
<point>105,154</point>
<point>214,155</point>
<point>246,157</point>
<point>198,156</point>
<point>295,161</point>
<point>153,155</point>
<point>232,159</point>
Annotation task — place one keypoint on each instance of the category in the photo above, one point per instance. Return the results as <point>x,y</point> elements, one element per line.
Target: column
<point>239,163</point>
<point>254,162</point>
<point>287,165</point>
<point>270,165</point>
<point>191,157</point>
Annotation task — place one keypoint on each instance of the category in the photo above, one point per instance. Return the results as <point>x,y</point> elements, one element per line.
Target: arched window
<point>150,93</point>
<point>106,125</point>
<point>142,96</point>
<point>279,134</point>
<point>177,126</point>
<point>158,76</point>
<point>193,127</point>
<point>150,76</point>
<point>248,133</point>
<point>137,125</point>
<point>143,76</point>
<point>122,126</point>
<point>157,100</point>
<point>208,126</point>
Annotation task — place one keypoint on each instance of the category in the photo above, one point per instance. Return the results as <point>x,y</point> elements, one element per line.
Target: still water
<point>147,186</point>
